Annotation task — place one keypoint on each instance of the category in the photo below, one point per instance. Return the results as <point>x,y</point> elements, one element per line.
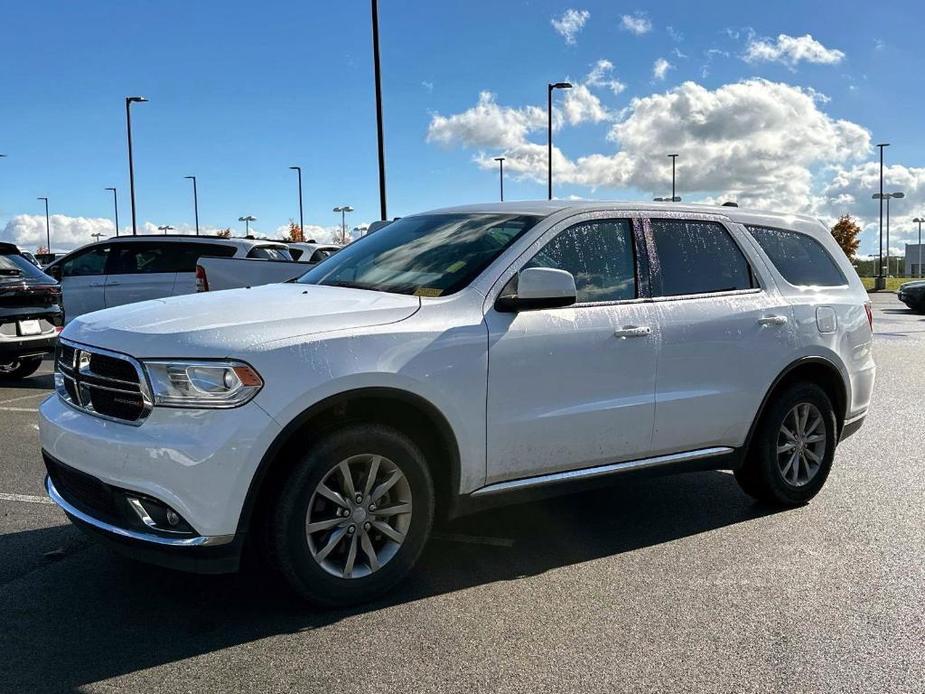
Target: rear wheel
<point>354,515</point>
<point>793,448</point>
<point>19,368</point>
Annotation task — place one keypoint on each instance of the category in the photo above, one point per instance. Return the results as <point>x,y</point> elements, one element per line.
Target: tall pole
<point>920,248</point>
<point>195,201</point>
<point>47,226</point>
<point>888,236</point>
<point>881,282</point>
<point>129,100</point>
<point>500,161</point>
<point>673,158</point>
<point>378,73</point>
<point>298,170</point>
<point>549,89</point>
<point>115,208</point>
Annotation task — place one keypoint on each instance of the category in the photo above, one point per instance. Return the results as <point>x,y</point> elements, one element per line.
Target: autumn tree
<point>295,232</point>
<point>846,232</point>
<point>224,233</point>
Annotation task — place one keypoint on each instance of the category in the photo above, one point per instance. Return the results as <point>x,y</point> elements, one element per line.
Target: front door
<point>139,271</point>
<point>574,387</point>
<point>83,281</point>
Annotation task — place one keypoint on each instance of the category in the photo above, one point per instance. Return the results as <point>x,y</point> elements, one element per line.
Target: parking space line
<point>473,539</point>
<point>23,397</point>
<point>26,498</point>
<point>19,409</point>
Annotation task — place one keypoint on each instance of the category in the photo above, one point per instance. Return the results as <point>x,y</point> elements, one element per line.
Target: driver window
<point>599,254</point>
<point>90,262</point>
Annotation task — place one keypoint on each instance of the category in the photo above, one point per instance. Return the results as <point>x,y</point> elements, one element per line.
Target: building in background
<point>915,259</point>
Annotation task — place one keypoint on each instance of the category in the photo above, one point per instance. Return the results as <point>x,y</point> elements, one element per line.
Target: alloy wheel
<point>801,444</point>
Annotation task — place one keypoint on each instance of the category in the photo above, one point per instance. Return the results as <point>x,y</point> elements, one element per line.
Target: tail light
<point>202,282</point>
<point>870,315</point>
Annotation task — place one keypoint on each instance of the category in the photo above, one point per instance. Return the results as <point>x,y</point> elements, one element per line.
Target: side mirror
<point>536,288</point>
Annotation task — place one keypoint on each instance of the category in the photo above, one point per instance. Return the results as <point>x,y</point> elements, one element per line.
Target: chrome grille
<point>102,383</point>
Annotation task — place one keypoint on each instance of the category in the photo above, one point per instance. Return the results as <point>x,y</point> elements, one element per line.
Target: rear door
<point>139,271</point>
<point>83,280</point>
<point>186,255</point>
<point>725,333</point>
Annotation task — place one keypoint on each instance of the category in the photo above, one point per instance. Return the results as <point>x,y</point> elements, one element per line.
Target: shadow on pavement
<point>38,381</point>
<point>93,615</point>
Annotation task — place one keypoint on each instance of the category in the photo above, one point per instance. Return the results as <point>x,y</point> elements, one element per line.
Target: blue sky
<point>240,90</point>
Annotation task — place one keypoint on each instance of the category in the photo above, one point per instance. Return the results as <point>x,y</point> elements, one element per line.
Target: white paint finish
<point>232,273</point>
<point>545,283</point>
<point>131,288</point>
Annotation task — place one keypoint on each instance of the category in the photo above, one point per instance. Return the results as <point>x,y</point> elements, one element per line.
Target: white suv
<point>456,359</point>
<point>127,269</point>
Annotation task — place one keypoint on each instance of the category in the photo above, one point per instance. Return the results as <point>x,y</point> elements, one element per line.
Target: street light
<point>881,197</point>
<point>166,228</point>
<point>97,235</point>
<point>195,201</point>
<point>247,219</point>
<point>298,170</point>
<point>343,209</point>
<point>500,161</point>
<point>47,226</point>
<point>129,100</point>
<point>115,207</point>
<point>549,90</point>
<point>377,71</point>
<point>673,196</point>
<point>881,281</point>
<point>919,220</point>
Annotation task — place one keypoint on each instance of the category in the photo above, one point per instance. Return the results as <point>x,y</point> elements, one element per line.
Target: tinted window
<point>13,262</point>
<point>162,257</point>
<point>321,254</point>
<point>295,253</point>
<point>269,253</point>
<point>89,262</point>
<point>184,256</point>
<point>799,258</point>
<point>600,256</point>
<point>424,255</point>
<point>698,257</point>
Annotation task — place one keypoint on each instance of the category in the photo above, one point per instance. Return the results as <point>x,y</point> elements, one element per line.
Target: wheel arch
<point>814,369</point>
<point>408,412</point>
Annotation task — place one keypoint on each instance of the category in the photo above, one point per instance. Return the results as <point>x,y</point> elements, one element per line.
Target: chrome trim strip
<point>600,470</point>
<point>198,541</point>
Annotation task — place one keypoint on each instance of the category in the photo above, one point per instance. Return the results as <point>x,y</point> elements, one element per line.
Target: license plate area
<point>29,327</point>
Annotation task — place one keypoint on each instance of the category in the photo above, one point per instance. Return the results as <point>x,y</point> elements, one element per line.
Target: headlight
<point>202,383</point>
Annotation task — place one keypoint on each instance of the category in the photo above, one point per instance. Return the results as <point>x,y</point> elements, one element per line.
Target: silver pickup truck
<point>215,273</point>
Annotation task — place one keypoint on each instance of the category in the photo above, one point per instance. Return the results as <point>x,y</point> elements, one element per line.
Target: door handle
<point>97,284</point>
<point>633,331</point>
<point>772,320</point>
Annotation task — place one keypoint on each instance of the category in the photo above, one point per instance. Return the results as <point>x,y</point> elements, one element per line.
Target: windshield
<point>424,255</point>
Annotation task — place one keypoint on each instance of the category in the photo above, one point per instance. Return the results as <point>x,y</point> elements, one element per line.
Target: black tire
<point>19,368</point>
<point>287,532</point>
<point>761,476</point>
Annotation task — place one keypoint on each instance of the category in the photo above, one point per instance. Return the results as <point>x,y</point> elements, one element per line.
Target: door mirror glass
<point>536,288</point>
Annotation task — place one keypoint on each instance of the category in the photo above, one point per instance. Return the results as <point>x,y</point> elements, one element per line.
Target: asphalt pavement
<point>672,584</point>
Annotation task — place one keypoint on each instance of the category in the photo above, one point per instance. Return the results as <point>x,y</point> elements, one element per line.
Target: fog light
<point>172,517</point>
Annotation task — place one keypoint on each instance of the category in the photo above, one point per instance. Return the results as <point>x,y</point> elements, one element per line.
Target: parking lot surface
<point>672,584</point>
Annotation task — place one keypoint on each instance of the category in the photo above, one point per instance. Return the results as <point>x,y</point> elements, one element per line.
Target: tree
<point>846,232</point>
<point>295,232</point>
<point>224,233</point>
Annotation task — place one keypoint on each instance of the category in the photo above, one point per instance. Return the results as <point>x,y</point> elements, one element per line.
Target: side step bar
<point>599,471</point>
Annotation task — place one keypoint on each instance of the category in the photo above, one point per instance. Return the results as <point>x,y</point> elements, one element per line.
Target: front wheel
<point>354,515</point>
<point>19,368</point>
<point>793,448</point>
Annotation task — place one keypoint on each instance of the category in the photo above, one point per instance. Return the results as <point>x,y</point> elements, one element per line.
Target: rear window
<point>800,259</point>
<point>269,253</point>
<point>698,257</point>
<point>11,262</point>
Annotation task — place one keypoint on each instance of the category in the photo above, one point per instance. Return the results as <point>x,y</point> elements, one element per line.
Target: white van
<point>127,269</point>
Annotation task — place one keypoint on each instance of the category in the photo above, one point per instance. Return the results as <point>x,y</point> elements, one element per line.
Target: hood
<point>917,284</point>
<point>228,323</point>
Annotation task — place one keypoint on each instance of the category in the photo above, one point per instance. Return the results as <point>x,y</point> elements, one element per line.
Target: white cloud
<point>601,75</point>
<point>660,69</point>
<point>637,23</point>
<point>321,234</point>
<point>755,141</point>
<point>486,124</point>
<point>28,231</point>
<point>674,34</point>
<point>570,23</point>
<point>429,86</point>
<point>581,105</point>
<point>791,50</point>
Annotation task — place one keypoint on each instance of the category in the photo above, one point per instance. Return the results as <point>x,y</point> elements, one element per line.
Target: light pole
<point>674,157</point>
<point>343,209</point>
<point>919,220</point>
<point>500,161</point>
<point>97,235</point>
<point>166,228</point>
<point>881,280</point>
<point>129,100</point>
<point>887,197</point>
<point>247,219</point>
<point>673,198</point>
<point>47,226</point>
<point>115,207</point>
<point>195,201</point>
<point>298,170</point>
<point>374,8</point>
<point>549,90</point>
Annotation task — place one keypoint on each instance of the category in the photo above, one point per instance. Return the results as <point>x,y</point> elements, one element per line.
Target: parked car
<point>912,294</point>
<point>30,313</point>
<point>129,269</point>
<point>452,360</point>
<point>214,273</point>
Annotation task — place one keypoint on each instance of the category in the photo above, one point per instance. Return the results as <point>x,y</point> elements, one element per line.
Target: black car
<point>912,294</point>
<point>30,313</point>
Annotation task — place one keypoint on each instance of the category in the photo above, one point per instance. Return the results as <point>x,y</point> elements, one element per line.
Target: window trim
<point>773,265</point>
<point>656,275</point>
